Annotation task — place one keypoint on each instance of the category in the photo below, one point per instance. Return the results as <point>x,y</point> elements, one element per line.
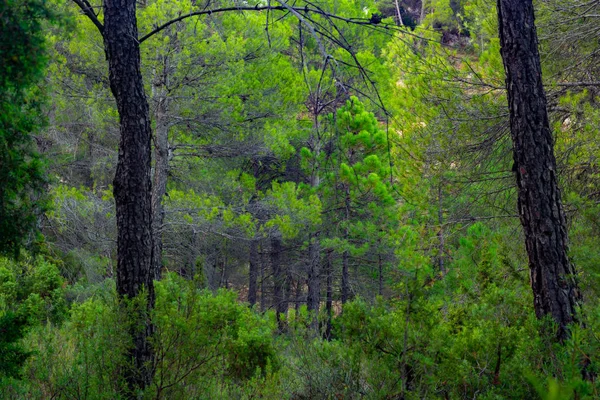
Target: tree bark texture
<point>553,278</point>
<point>132,185</point>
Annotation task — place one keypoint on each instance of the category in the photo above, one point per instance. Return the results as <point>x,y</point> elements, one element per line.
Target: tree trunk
<point>345,278</point>
<point>441,231</point>
<point>380,263</point>
<point>132,185</point>
<point>278,281</point>
<point>329,301</point>
<point>253,273</point>
<point>298,294</point>
<point>313,298</point>
<point>161,169</point>
<point>263,265</point>
<point>288,296</point>
<point>345,254</point>
<point>553,280</point>
<point>398,14</point>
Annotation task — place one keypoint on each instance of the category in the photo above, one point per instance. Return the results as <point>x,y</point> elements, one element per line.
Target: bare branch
<point>297,11</point>
<point>579,84</point>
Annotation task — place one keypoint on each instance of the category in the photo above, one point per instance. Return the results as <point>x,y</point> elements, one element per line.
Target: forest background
<point>333,201</point>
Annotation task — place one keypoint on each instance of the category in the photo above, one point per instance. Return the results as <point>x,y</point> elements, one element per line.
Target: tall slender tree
<point>555,290</point>
<point>132,185</point>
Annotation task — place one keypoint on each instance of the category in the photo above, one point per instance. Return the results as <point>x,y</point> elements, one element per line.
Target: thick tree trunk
<point>553,280</point>
<point>132,185</point>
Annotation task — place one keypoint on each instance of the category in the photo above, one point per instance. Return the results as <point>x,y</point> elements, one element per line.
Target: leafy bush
<point>201,335</point>
<point>33,288</point>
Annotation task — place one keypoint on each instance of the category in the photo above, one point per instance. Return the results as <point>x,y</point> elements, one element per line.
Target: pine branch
<point>88,11</point>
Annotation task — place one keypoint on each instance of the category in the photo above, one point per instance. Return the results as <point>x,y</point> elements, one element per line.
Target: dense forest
<point>336,199</point>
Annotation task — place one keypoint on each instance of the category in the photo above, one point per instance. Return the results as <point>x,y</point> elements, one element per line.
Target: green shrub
<point>201,335</point>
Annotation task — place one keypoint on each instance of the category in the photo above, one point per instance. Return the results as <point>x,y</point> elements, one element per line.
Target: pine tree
<point>22,177</point>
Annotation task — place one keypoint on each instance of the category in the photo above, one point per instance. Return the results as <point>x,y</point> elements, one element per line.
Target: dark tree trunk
<point>329,300</point>
<point>264,264</point>
<point>224,280</point>
<point>345,277</point>
<point>380,264</point>
<point>298,294</point>
<point>289,282</point>
<point>314,280</point>
<point>253,273</point>
<point>553,280</point>
<point>132,185</point>
<point>278,281</point>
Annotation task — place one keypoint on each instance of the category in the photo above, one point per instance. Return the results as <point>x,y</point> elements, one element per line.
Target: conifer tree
<point>358,188</point>
<point>22,176</point>
<point>553,280</point>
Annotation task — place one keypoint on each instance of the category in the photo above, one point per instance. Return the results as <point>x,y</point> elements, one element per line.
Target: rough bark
<point>132,185</point>
<point>553,280</point>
